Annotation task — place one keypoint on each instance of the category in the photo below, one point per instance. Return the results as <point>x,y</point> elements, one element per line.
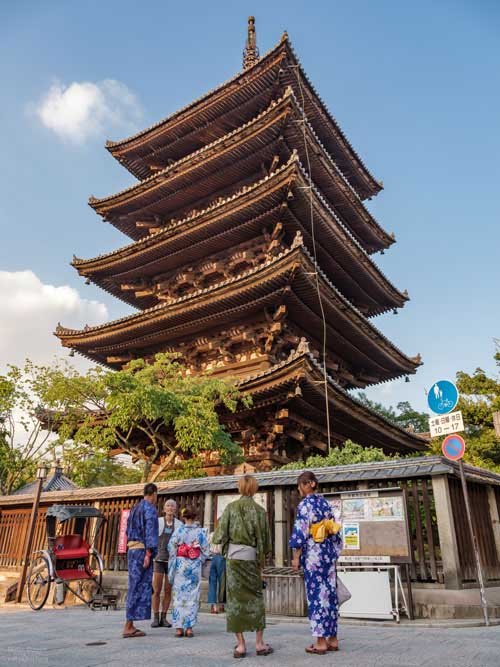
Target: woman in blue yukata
<point>316,542</point>
<point>188,548</point>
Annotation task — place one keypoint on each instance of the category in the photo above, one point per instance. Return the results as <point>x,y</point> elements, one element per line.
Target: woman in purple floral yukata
<point>316,542</point>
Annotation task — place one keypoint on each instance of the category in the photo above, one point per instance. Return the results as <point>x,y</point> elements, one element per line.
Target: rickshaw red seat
<point>71,546</point>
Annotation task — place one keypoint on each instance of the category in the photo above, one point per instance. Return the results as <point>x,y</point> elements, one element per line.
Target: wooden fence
<point>14,526</point>
<point>426,562</point>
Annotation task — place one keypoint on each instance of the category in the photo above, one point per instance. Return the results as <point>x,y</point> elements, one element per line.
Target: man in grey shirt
<point>166,528</point>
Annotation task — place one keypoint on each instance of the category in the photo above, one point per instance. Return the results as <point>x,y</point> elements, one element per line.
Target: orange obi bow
<point>323,529</point>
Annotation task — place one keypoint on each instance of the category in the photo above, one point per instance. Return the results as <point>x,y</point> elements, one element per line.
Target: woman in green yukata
<point>243,533</point>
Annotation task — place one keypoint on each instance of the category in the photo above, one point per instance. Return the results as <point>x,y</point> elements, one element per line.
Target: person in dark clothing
<point>142,543</point>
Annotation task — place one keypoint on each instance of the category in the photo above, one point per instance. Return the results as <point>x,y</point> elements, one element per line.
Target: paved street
<point>77,637</point>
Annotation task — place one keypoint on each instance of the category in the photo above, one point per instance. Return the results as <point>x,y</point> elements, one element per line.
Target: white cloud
<point>83,110</point>
<point>30,311</point>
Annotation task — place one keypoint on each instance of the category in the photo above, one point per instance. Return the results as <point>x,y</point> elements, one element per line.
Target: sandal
<point>332,648</point>
<point>316,651</point>
<point>135,633</point>
<point>179,632</point>
<point>237,654</point>
<point>265,651</point>
<point>189,633</point>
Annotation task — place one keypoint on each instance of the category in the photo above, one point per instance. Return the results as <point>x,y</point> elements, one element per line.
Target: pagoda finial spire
<point>251,52</point>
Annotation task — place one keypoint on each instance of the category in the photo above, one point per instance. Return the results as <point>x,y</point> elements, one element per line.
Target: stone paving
<point>78,637</point>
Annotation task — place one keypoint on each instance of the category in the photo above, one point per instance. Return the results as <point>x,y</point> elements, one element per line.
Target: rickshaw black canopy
<point>66,512</point>
<point>63,513</point>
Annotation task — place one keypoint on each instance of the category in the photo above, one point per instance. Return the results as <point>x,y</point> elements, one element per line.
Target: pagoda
<point>251,257</point>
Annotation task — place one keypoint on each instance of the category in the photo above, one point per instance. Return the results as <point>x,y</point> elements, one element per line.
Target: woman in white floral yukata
<point>316,542</point>
<point>188,549</point>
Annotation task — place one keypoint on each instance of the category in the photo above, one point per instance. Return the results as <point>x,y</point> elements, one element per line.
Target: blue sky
<point>415,86</point>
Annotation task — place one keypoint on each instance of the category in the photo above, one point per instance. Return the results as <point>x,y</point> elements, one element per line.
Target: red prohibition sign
<point>453,447</point>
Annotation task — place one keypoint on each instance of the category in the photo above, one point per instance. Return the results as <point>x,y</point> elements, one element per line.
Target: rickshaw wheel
<point>38,586</point>
<point>95,566</point>
<point>92,587</point>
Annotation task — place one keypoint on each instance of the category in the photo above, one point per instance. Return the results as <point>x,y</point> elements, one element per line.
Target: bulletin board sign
<point>223,500</point>
<point>374,525</point>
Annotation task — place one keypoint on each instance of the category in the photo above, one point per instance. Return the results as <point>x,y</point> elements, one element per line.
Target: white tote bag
<point>343,593</point>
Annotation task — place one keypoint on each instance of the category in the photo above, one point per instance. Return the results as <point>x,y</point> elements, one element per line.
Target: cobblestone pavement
<point>78,637</point>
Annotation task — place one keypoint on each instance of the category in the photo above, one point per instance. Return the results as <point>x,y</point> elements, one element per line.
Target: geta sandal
<point>265,651</point>
<point>316,651</point>
<point>135,633</point>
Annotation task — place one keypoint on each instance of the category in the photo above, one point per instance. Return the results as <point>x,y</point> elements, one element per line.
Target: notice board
<point>222,501</point>
<point>374,525</point>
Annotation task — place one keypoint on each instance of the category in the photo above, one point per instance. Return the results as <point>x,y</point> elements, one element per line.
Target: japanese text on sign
<point>445,424</point>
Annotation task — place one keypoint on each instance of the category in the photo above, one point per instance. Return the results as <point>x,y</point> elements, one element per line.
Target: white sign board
<point>371,595</point>
<point>446,424</point>
<point>224,499</point>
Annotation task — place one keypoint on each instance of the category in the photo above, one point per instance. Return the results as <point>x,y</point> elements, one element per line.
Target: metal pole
<point>29,540</point>
<point>479,569</point>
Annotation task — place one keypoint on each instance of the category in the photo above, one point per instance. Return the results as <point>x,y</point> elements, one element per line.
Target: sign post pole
<point>454,448</point>
<point>479,569</point>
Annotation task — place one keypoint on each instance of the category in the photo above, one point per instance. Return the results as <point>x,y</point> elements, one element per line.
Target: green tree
<point>403,415</point>
<point>23,441</point>
<point>349,453</point>
<point>27,420</point>
<point>151,410</point>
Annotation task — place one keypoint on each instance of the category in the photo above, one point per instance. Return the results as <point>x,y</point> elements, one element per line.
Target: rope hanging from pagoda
<point>251,52</point>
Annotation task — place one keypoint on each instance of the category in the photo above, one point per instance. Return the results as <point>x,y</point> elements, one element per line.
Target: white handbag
<point>343,593</point>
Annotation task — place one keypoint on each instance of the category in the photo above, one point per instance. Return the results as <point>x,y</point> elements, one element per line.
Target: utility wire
<point>311,209</point>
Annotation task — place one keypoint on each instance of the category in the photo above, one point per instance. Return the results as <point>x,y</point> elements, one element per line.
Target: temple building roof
<point>282,197</point>
<point>266,140</point>
<point>299,381</point>
<point>234,103</point>
<point>251,258</point>
<point>56,481</point>
<point>289,279</point>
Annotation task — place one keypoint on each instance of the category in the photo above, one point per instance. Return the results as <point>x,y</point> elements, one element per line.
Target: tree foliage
<point>27,418</point>
<point>404,415</point>
<point>349,453</point>
<point>22,439</point>
<point>151,410</point>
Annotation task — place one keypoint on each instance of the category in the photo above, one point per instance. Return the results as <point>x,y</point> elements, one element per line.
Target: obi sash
<point>241,552</point>
<point>323,529</point>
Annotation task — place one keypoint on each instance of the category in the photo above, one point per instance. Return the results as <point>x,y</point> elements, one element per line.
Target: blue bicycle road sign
<point>442,397</point>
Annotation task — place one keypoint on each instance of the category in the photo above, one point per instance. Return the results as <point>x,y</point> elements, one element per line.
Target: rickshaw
<point>69,557</point>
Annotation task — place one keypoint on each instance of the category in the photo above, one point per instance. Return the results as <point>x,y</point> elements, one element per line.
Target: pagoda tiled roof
<point>302,368</point>
<point>109,269</point>
<point>242,293</point>
<point>133,150</point>
<point>122,207</point>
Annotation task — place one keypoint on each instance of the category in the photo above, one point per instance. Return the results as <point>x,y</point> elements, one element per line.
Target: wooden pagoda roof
<point>271,135</point>
<point>234,103</point>
<point>348,416</point>
<point>287,279</point>
<point>242,217</point>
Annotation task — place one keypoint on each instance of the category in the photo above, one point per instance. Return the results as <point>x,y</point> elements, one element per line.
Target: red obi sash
<point>185,551</point>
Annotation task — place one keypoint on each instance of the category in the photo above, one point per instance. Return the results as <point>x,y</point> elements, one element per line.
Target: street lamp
<point>41,475</point>
<point>42,471</point>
